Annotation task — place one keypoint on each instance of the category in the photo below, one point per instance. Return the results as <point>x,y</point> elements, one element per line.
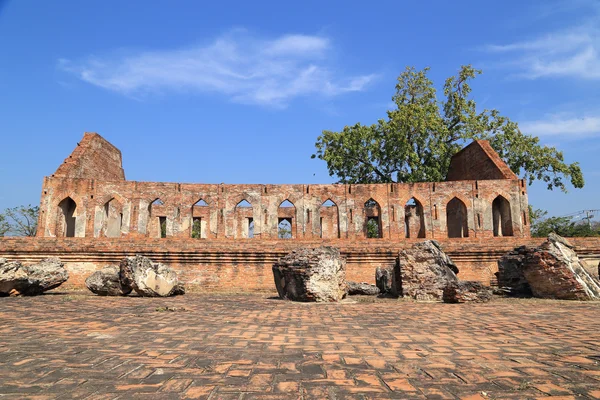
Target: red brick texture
<point>478,161</point>
<point>245,265</point>
<point>91,216</point>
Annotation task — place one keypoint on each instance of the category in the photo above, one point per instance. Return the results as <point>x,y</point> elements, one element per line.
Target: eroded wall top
<point>478,161</point>
<point>93,158</point>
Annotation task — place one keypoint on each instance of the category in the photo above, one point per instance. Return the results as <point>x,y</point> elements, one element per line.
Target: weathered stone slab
<point>149,279</point>
<point>31,280</point>
<point>362,288</point>
<point>384,279</point>
<point>425,270</point>
<point>311,275</point>
<point>511,279</point>
<point>466,292</point>
<point>107,282</point>
<point>553,270</point>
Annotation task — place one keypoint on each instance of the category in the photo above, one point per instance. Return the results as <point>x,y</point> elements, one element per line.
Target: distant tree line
<point>542,225</point>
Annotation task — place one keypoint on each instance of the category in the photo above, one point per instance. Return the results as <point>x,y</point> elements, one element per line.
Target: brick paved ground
<point>232,347</point>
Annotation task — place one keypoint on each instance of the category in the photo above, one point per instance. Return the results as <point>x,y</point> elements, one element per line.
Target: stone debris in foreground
<point>33,279</point>
<point>554,271</point>
<point>149,279</point>
<point>425,270</point>
<point>510,273</point>
<point>466,292</point>
<point>311,275</point>
<point>384,279</point>
<point>362,288</point>
<point>107,282</point>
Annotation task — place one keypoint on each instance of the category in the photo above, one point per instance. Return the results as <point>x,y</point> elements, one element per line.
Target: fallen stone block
<point>33,279</point>
<point>311,275</point>
<point>365,289</point>
<point>511,279</point>
<point>554,271</point>
<point>466,292</point>
<point>384,279</point>
<point>149,279</point>
<point>425,270</point>
<point>107,282</point>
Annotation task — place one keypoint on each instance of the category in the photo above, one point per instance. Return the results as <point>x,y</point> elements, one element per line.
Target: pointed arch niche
<point>414,219</point>
<point>157,219</point>
<point>286,220</point>
<point>244,220</point>
<point>112,218</point>
<point>66,218</point>
<point>456,219</point>
<point>372,215</point>
<point>329,221</point>
<point>501,217</point>
<point>200,225</point>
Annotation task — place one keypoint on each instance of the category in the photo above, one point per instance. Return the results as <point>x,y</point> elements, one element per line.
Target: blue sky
<point>238,92</point>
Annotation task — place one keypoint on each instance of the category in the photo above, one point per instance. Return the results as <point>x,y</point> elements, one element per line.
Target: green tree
<point>4,226</point>
<point>417,139</point>
<point>372,228</point>
<point>196,229</point>
<point>19,221</point>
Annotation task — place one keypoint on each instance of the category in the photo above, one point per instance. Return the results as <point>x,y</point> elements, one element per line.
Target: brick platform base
<point>245,265</point>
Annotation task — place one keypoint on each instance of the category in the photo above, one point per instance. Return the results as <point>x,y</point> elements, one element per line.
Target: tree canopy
<point>19,221</point>
<point>418,138</point>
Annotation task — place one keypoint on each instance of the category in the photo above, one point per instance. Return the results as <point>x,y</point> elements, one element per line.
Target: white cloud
<point>570,53</point>
<point>563,126</point>
<point>238,65</point>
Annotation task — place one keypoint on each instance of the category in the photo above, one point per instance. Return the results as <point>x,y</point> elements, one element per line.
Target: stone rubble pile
<point>551,271</point>
<point>31,280</point>
<point>139,274</point>
<point>311,275</point>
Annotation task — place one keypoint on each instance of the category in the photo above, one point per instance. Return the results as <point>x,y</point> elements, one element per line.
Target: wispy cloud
<point>243,67</point>
<point>571,53</point>
<point>565,126</point>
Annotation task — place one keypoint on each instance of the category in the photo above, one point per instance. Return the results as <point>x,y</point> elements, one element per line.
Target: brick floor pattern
<point>74,346</point>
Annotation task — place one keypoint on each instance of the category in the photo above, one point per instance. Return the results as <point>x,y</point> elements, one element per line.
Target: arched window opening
<point>501,216</point>
<point>157,223</point>
<point>372,212</point>
<point>286,215</point>
<point>113,219</point>
<point>244,220</point>
<point>284,228</point>
<point>163,227</point>
<point>329,220</point>
<point>286,204</point>
<point>201,203</point>
<point>250,228</point>
<point>200,219</point>
<point>414,219</point>
<point>67,210</point>
<point>456,219</point>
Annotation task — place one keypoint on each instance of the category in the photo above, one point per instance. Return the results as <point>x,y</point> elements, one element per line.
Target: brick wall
<point>245,264</point>
<point>129,208</point>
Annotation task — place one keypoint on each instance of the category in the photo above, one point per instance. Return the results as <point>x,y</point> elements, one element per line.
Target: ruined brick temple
<point>221,236</point>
